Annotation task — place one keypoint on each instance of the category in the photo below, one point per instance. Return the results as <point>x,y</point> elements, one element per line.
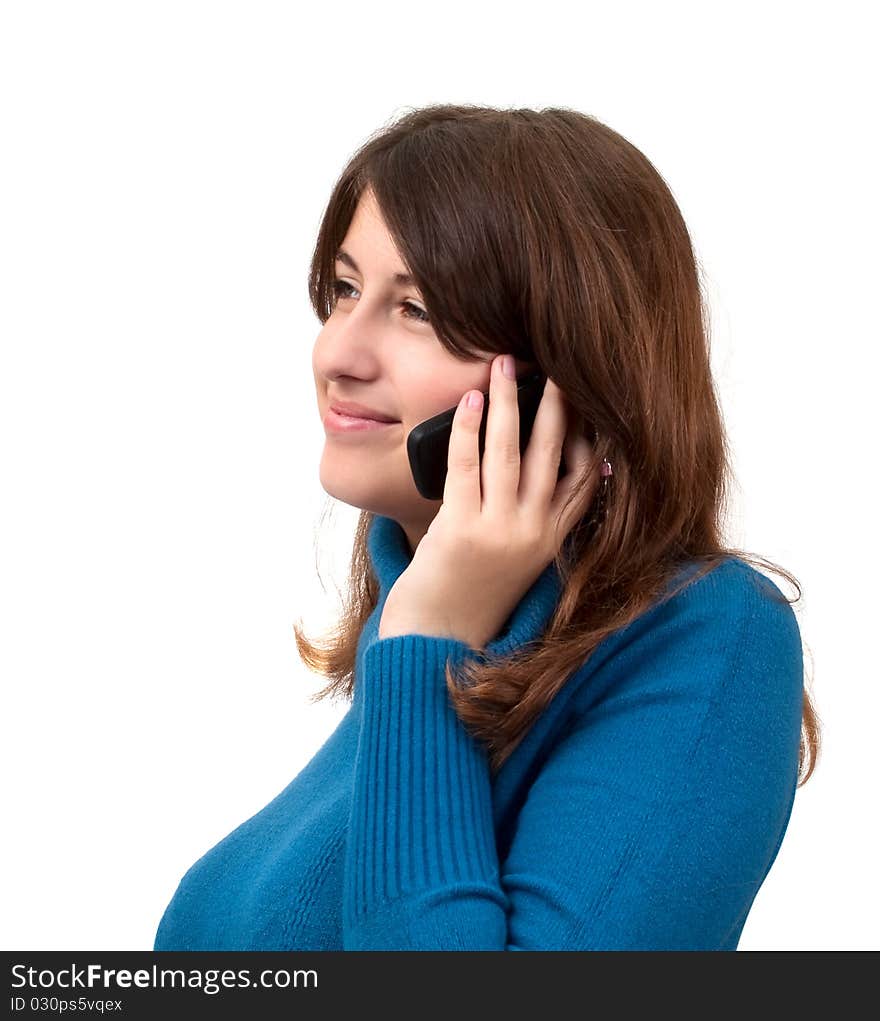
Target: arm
<point>651,825</point>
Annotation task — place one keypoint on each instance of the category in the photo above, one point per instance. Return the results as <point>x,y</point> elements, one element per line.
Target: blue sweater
<point>642,811</point>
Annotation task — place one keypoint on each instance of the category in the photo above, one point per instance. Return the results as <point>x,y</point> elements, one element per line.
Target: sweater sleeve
<point>651,824</point>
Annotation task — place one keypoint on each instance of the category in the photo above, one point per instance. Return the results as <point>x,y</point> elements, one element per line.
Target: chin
<point>389,491</point>
<point>353,489</point>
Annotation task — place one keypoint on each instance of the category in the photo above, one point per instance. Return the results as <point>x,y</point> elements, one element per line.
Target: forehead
<point>368,244</point>
<point>367,218</point>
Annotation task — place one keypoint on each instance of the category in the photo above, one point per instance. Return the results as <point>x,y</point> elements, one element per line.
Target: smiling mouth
<point>335,421</point>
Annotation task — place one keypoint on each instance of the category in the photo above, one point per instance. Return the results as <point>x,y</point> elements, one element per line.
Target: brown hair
<point>546,234</point>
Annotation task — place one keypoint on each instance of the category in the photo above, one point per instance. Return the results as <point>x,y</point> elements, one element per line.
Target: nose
<point>349,345</point>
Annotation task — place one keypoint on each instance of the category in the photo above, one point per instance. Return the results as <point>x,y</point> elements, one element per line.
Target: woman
<point>578,719</point>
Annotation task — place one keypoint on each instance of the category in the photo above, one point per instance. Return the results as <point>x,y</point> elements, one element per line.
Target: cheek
<point>441,391</point>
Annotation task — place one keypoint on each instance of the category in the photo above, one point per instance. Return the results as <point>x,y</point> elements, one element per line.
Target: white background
<point>164,169</point>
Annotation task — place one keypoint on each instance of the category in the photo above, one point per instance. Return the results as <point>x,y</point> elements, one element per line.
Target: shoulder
<point>731,606</point>
<point>729,593</point>
<point>701,697</point>
<point>727,633</point>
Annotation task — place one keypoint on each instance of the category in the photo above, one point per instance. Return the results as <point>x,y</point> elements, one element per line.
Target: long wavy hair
<point>547,234</point>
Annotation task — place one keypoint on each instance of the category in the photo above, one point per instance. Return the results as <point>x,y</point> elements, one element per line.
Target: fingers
<point>555,437</point>
<point>565,512</point>
<point>540,469</point>
<point>505,483</point>
<point>462,487</point>
<point>501,458</point>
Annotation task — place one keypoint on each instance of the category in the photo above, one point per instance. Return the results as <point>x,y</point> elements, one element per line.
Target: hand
<point>500,523</point>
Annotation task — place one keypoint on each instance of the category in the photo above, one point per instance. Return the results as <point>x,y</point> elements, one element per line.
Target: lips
<point>346,424</point>
<point>353,410</point>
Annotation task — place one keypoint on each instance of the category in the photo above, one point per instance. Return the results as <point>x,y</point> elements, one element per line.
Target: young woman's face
<point>378,349</point>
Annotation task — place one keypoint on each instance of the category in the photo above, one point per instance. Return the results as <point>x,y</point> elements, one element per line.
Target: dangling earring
<point>597,516</point>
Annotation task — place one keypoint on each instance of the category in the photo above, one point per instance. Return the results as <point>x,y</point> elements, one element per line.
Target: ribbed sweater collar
<point>390,556</point>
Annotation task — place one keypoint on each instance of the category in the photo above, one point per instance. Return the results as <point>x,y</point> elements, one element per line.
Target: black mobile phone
<point>427,445</point>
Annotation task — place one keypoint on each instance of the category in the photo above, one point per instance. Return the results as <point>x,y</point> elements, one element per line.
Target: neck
<point>414,534</point>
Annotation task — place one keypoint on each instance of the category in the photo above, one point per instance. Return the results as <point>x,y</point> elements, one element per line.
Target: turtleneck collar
<point>390,556</point>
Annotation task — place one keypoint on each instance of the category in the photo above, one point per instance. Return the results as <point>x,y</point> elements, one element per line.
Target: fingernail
<point>475,399</point>
<point>507,367</point>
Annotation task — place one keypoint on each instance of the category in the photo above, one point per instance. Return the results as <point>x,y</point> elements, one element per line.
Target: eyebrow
<point>399,278</point>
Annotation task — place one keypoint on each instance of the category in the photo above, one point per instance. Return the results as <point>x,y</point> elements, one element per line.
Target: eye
<point>342,289</point>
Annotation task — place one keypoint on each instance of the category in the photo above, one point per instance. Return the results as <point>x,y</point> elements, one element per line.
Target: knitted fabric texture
<point>642,810</point>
